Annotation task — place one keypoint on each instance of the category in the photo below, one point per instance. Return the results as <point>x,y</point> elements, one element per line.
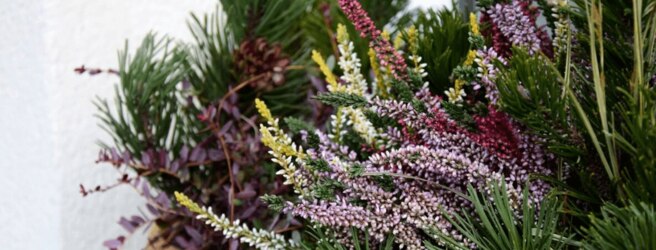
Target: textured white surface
<point>47,128</point>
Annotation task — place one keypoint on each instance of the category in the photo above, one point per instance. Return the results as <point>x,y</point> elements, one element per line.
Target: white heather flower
<point>562,25</point>
<point>257,238</point>
<point>361,125</point>
<point>455,96</point>
<point>350,65</point>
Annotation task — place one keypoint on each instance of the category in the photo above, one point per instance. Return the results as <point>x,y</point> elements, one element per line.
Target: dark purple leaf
<point>235,112</point>
<point>198,154</point>
<point>127,157</point>
<point>215,154</point>
<point>137,220</point>
<point>114,243</point>
<point>235,168</point>
<point>234,244</point>
<point>182,242</point>
<point>246,194</point>
<point>152,209</point>
<point>163,158</point>
<point>145,159</point>
<point>248,212</point>
<point>115,156</point>
<point>225,128</point>
<point>175,166</point>
<point>195,235</point>
<point>146,190</point>
<point>136,182</point>
<point>163,199</point>
<point>127,225</point>
<point>184,153</point>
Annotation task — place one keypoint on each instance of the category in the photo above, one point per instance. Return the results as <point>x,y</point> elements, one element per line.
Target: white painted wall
<point>47,128</point>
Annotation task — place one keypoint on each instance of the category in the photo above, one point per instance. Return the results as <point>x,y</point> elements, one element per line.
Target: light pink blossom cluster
<point>487,73</point>
<point>428,163</point>
<point>513,24</point>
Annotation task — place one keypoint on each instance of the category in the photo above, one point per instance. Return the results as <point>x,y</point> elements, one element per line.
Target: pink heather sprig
<point>385,52</point>
<point>487,73</point>
<point>430,160</point>
<point>515,24</point>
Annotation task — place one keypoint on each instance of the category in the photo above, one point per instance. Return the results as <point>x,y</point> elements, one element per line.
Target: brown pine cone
<point>256,57</point>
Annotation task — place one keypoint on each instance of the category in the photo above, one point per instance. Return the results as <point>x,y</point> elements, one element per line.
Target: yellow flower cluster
<point>257,238</point>
<point>188,203</point>
<point>456,93</point>
<point>471,56</point>
<point>282,149</point>
<point>263,110</point>
<point>330,78</point>
<point>342,35</point>
<point>413,40</point>
<point>474,24</point>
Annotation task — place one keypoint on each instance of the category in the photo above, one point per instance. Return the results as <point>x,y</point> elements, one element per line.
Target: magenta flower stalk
<point>385,52</point>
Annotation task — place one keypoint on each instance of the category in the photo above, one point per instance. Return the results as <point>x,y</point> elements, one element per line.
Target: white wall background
<point>47,128</point>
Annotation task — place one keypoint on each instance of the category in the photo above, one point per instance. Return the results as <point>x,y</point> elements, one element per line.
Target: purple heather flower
<point>516,25</point>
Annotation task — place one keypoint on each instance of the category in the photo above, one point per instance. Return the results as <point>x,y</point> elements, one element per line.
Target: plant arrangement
<point>184,121</point>
<point>487,133</point>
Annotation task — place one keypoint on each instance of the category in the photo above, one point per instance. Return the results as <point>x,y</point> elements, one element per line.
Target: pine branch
<point>342,99</point>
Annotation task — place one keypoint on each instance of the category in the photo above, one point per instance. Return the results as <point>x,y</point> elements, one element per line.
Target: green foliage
<point>531,90</point>
<point>146,113</point>
<point>296,125</point>
<point>386,182</point>
<point>325,189</point>
<point>379,121</point>
<point>356,170</point>
<point>630,227</point>
<point>443,45</point>
<point>494,226</point>
<point>338,99</point>
<point>275,202</point>
<point>459,114</point>
<point>217,36</point>
<point>619,118</point>
<point>402,91</point>
<point>318,165</point>
<point>322,239</point>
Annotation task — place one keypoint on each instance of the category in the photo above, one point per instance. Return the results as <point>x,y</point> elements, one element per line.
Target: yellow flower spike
<point>474,24</point>
<point>398,42</point>
<point>342,34</point>
<point>271,142</point>
<point>267,138</point>
<point>188,203</point>
<point>380,82</point>
<point>385,35</point>
<point>263,110</point>
<point>330,78</point>
<point>470,57</point>
<point>412,39</point>
<point>459,84</point>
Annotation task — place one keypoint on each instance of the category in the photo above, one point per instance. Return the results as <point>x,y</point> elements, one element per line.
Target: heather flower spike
<point>398,185</point>
<point>258,238</point>
<point>386,53</point>
<point>330,77</point>
<point>283,150</point>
